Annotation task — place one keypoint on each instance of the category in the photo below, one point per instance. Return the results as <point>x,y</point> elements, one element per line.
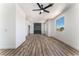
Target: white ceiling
<point>34,16</point>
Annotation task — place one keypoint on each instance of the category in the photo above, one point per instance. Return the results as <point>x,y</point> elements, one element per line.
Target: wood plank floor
<point>40,45</point>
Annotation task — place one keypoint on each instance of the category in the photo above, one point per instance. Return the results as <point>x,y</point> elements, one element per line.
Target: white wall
<point>21,26</point>
<point>31,28</point>
<point>27,23</point>
<point>7,26</point>
<point>70,35</point>
<point>48,28</point>
<point>43,28</point>
<point>13,26</point>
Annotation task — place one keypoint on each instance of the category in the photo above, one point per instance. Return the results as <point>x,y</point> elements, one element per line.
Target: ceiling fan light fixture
<point>42,11</point>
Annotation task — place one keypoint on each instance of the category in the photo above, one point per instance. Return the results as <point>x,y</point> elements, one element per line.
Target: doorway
<point>37,28</point>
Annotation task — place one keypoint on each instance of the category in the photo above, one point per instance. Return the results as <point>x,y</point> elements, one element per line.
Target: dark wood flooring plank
<point>40,45</point>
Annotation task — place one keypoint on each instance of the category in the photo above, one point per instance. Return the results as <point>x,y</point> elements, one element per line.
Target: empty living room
<point>39,29</point>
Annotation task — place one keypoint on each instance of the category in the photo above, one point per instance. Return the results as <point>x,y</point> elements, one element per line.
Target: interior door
<point>37,28</point>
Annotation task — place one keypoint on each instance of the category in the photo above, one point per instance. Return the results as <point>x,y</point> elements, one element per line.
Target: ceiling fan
<point>43,9</point>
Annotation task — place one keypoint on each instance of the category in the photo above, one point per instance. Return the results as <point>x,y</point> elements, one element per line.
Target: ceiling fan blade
<point>39,5</point>
<point>46,11</point>
<point>36,10</point>
<point>48,6</point>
